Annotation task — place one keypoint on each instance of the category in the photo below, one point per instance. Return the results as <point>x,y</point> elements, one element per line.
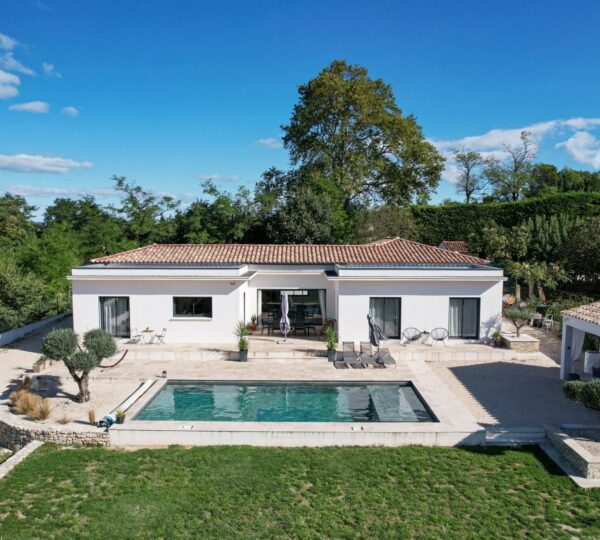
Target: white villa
<point>198,292</point>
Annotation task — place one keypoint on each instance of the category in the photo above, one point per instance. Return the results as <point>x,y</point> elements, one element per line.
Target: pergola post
<point>566,364</point>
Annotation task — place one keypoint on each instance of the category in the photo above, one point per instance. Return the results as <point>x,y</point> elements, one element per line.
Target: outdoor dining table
<point>147,335</point>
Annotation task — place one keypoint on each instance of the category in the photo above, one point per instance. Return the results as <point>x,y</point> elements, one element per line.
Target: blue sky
<point>168,93</point>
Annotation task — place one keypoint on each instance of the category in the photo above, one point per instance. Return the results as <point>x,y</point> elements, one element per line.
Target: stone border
<point>585,463</point>
<point>15,459</point>
<point>16,437</point>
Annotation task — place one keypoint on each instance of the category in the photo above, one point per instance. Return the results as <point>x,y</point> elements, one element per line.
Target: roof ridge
<point>132,250</point>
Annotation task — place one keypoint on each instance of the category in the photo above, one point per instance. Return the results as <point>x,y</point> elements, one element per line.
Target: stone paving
<point>496,389</point>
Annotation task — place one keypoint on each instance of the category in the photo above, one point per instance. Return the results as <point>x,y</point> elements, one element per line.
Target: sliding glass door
<point>114,315</point>
<point>386,313</point>
<point>464,318</point>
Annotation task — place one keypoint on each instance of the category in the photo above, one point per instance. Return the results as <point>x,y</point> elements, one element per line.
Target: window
<point>192,306</point>
<point>303,304</point>
<point>464,318</point>
<point>114,315</point>
<point>386,313</point>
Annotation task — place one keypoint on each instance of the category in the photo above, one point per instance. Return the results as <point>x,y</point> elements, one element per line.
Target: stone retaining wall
<point>16,437</point>
<point>584,463</point>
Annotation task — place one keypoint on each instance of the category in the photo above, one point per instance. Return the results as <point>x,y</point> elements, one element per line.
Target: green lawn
<point>333,492</point>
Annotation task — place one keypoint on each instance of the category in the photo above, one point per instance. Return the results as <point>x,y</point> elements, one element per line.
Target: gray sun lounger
<point>351,357</point>
<point>384,358</point>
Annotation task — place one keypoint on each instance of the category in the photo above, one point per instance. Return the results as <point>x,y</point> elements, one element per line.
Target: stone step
<point>515,436</point>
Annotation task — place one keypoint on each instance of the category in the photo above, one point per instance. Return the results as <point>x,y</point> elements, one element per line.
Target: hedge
<point>458,221</point>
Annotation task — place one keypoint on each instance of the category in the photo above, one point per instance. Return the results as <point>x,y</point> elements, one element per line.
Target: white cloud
<point>218,177</point>
<point>491,143</point>
<point>583,148</point>
<point>7,43</point>
<point>269,142</point>
<point>7,58</point>
<point>10,63</point>
<point>70,111</point>
<point>38,107</point>
<point>40,164</point>
<point>50,70</point>
<point>26,190</point>
<point>8,84</point>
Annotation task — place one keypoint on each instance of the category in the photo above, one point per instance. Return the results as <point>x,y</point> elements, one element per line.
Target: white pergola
<point>576,322</point>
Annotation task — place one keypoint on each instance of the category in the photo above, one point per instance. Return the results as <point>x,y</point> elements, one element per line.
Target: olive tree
<point>518,317</point>
<point>63,344</point>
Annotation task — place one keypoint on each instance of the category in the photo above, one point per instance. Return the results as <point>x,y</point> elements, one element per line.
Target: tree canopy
<point>349,127</point>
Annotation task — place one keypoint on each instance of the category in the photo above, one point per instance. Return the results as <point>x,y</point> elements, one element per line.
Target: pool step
<point>515,436</point>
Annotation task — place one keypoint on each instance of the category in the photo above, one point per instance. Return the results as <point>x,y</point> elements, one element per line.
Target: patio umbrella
<point>284,323</point>
<point>376,334</point>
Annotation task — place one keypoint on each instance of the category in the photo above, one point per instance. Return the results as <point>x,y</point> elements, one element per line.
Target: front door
<point>114,315</point>
<point>386,313</point>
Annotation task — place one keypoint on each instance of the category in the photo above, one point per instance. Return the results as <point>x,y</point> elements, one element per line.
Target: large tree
<point>220,217</point>
<point>349,127</point>
<point>300,206</point>
<point>469,165</point>
<point>99,230</point>
<point>510,176</point>
<point>16,222</point>
<point>148,214</point>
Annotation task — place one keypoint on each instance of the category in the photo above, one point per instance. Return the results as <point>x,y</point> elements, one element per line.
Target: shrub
<point>572,390</point>
<point>590,395</point>
<point>42,411</point>
<point>24,402</point>
<point>64,420</point>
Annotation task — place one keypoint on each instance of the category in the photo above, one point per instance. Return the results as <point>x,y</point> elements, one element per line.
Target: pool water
<point>287,402</point>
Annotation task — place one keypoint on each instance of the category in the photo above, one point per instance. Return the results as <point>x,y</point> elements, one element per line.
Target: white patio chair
<point>159,339</point>
<point>136,337</point>
<point>548,322</point>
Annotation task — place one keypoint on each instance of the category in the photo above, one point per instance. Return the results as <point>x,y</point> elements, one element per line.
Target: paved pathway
<point>518,392</point>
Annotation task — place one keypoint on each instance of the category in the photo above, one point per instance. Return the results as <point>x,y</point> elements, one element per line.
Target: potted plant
<point>120,416</point>
<point>496,339</point>
<point>241,332</point>
<point>252,324</point>
<point>331,339</point>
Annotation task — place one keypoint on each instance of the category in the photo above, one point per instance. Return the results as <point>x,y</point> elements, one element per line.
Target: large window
<point>464,318</point>
<point>306,304</point>
<point>192,306</point>
<point>386,313</point>
<point>114,315</point>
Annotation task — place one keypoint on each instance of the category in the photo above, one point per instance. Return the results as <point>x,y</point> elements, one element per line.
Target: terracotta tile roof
<point>588,312</point>
<point>456,245</point>
<point>391,251</point>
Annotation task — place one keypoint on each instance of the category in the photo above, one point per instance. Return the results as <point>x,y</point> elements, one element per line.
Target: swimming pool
<point>221,401</point>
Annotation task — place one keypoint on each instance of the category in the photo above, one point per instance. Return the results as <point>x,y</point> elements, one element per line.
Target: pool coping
<point>144,400</point>
<point>454,425</point>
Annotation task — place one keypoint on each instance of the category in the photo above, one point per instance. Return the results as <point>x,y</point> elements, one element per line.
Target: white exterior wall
<point>307,279</point>
<point>424,304</point>
<point>151,305</point>
<point>425,297</point>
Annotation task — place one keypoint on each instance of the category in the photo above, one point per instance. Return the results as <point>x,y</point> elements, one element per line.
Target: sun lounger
<point>384,358</point>
<point>350,356</point>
